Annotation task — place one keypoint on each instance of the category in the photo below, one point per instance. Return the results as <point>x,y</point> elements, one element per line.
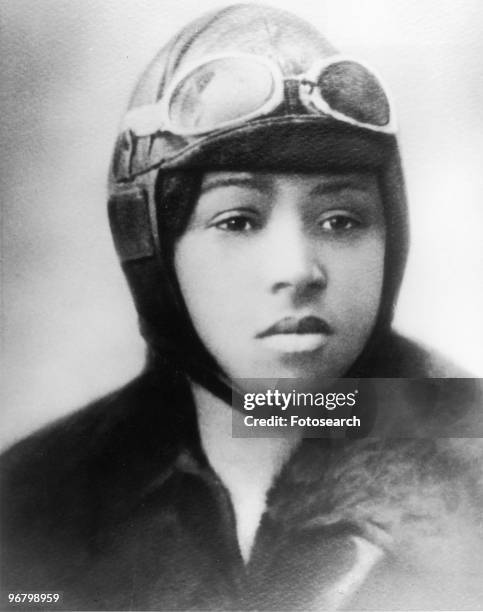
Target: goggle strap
<point>144,120</point>
<point>292,97</point>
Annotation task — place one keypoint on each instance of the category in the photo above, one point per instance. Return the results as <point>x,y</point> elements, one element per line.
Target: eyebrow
<point>338,183</point>
<point>252,181</point>
<point>264,183</point>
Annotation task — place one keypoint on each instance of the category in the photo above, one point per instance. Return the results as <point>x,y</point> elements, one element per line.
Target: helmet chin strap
<point>215,382</point>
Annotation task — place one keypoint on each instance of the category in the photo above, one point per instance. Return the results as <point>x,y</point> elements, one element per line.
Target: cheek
<point>356,278</point>
<point>210,283</point>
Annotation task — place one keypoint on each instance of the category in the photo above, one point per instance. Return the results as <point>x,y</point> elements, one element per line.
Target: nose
<point>291,260</point>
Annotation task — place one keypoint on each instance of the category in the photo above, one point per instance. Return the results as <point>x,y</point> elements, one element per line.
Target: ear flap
<point>131,224</point>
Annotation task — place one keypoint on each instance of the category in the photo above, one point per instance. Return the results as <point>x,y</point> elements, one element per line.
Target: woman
<point>257,205</point>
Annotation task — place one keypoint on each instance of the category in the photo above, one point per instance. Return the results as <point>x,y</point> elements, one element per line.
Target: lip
<point>296,335</point>
<point>308,325</point>
<point>295,343</point>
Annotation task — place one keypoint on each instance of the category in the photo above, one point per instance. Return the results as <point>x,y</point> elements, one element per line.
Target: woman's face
<point>282,273</point>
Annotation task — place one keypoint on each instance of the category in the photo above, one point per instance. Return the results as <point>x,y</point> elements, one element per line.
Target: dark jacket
<point>117,507</point>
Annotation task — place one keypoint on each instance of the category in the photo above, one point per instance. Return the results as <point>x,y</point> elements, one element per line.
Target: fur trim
<point>418,500</point>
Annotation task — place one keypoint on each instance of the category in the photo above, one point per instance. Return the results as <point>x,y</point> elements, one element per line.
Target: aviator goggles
<point>225,91</point>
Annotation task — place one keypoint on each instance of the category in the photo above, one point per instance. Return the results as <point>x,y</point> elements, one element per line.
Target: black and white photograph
<point>241,305</point>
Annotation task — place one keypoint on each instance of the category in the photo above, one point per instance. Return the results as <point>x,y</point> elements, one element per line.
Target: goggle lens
<point>352,90</point>
<point>220,92</point>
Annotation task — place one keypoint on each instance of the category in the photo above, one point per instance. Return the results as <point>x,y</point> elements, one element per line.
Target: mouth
<point>295,335</point>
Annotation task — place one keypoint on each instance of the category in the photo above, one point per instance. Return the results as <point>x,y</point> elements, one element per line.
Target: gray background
<point>69,330</point>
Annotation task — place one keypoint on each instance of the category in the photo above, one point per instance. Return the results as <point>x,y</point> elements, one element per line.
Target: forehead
<point>323,182</point>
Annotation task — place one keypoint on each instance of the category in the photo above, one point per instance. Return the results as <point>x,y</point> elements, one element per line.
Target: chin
<point>317,364</point>
<point>299,365</point>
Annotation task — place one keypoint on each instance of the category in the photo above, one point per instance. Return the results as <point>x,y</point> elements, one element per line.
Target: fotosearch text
<point>296,421</point>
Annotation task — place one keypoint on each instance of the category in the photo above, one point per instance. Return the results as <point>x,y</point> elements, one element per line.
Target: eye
<point>339,223</point>
<point>236,224</point>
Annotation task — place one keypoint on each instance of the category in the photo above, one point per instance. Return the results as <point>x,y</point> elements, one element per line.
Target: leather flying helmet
<point>246,87</point>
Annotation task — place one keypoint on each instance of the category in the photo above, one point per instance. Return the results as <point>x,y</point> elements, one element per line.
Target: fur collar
<point>418,501</point>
